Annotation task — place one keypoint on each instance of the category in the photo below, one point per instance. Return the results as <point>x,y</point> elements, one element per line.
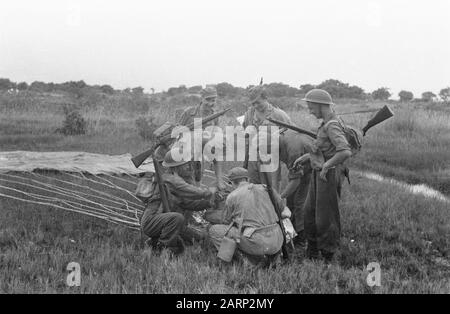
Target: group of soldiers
<point>246,206</point>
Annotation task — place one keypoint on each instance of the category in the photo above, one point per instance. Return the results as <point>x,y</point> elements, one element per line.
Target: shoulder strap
<point>333,120</point>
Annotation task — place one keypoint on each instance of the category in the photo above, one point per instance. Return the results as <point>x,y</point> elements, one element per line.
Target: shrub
<point>145,127</point>
<point>405,96</point>
<point>74,123</point>
<point>381,93</point>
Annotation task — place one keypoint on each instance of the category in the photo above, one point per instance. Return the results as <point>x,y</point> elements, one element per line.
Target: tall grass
<point>406,234</point>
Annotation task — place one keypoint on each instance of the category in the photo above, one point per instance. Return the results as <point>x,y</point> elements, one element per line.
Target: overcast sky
<point>398,44</point>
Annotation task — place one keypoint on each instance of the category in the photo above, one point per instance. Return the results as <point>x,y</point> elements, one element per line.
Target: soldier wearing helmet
<point>330,150</point>
<point>169,229</point>
<point>256,116</point>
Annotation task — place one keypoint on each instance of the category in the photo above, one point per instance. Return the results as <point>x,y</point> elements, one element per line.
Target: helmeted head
<point>209,96</point>
<point>258,97</point>
<point>170,162</point>
<point>182,167</point>
<point>316,99</point>
<point>237,175</point>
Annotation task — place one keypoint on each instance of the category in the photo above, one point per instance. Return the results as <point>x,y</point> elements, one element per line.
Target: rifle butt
<point>382,115</point>
<point>139,159</point>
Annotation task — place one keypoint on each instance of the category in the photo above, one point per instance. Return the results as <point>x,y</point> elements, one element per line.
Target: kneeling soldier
<point>249,218</point>
<point>166,229</point>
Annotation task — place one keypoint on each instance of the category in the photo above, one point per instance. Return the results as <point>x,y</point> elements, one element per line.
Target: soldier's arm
<point>291,187</point>
<point>228,211</point>
<point>182,189</point>
<point>279,201</point>
<point>185,116</point>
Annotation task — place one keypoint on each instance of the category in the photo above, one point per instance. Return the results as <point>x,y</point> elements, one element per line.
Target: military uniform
<point>184,198</point>
<point>322,219</point>
<point>292,145</point>
<point>255,118</point>
<point>188,116</point>
<point>250,218</point>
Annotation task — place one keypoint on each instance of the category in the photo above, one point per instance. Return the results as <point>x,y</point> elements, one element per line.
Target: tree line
<point>338,89</point>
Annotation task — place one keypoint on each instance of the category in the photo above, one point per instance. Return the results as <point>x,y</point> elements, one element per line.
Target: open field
<point>408,235</point>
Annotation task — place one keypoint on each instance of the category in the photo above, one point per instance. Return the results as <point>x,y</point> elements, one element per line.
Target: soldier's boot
<point>177,249</point>
<point>311,251</point>
<point>300,239</point>
<point>327,256</point>
<point>154,244</point>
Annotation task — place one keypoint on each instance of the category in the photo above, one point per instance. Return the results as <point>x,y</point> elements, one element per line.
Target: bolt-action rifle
<point>164,137</point>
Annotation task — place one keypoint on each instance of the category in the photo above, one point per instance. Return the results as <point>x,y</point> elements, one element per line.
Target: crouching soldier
<point>249,219</point>
<point>169,229</point>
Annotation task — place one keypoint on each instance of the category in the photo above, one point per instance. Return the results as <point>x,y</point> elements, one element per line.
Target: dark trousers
<point>322,220</point>
<point>296,203</point>
<point>166,227</point>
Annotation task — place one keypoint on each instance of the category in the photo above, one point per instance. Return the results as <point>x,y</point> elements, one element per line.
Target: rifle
<point>382,114</point>
<point>162,188</point>
<point>165,137</point>
<point>278,212</point>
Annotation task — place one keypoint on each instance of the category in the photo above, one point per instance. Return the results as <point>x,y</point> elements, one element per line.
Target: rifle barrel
<point>358,111</point>
<point>293,127</point>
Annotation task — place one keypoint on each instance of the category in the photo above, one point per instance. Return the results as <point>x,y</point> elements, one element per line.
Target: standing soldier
<point>292,145</point>
<point>257,116</point>
<point>204,109</point>
<point>330,150</point>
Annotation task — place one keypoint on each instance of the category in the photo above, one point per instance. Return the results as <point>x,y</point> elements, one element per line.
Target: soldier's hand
<point>222,185</point>
<point>323,174</point>
<point>301,160</point>
<point>213,190</point>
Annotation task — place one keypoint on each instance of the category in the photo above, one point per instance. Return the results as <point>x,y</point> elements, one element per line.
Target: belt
<point>248,231</point>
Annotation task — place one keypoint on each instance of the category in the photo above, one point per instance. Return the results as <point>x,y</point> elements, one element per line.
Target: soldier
<point>249,218</point>
<point>330,150</point>
<point>292,145</point>
<point>166,228</point>
<point>257,116</point>
<point>204,109</point>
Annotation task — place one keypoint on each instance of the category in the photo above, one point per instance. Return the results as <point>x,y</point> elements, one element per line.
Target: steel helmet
<point>237,173</point>
<point>318,96</point>
<point>170,162</point>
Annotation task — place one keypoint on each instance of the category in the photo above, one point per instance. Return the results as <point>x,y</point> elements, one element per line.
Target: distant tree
<point>405,96</point>
<point>428,96</point>
<point>138,90</point>
<point>172,91</point>
<point>381,93</point>
<point>127,90</point>
<point>107,89</point>
<point>280,90</point>
<point>226,89</point>
<point>39,86</point>
<point>306,88</point>
<point>338,89</point>
<point>445,94</point>
<point>6,84</point>
<point>152,89</point>
<point>22,86</point>
<point>195,89</point>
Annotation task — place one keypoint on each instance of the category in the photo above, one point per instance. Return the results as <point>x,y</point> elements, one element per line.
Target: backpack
<point>353,135</point>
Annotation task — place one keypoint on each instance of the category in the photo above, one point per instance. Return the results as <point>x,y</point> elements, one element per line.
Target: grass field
<point>409,235</point>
